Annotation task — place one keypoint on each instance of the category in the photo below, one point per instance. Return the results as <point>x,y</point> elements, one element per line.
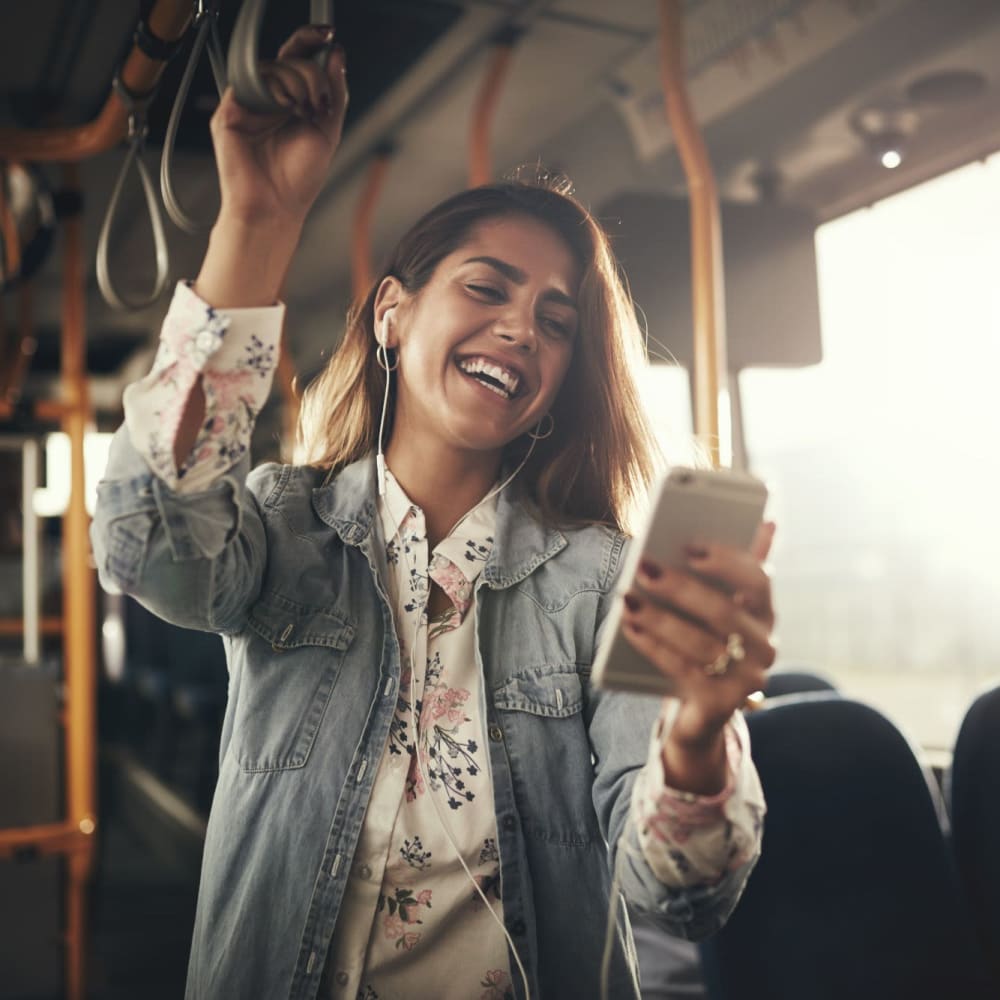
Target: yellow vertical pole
<point>711,392</point>
<point>79,646</point>
<point>484,110</point>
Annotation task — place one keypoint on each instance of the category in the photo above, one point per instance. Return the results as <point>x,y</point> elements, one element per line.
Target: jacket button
<point>342,978</point>
<point>517,928</point>
<point>496,734</point>
<point>509,823</point>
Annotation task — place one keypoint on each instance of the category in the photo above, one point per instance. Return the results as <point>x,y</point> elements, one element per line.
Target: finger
<point>230,115</point>
<point>680,636</point>
<point>306,41</point>
<point>735,571</point>
<point>285,83</point>
<point>743,677</point>
<point>692,597</point>
<point>279,88</point>
<point>760,548</point>
<point>691,642</point>
<point>755,637</point>
<point>312,80</point>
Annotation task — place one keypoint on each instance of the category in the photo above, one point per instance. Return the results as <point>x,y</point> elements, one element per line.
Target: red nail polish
<point>651,569</point>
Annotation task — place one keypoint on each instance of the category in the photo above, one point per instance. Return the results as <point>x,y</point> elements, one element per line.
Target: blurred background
<point>854,144</point>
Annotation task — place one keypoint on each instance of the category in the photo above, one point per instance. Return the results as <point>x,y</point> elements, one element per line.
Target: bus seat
<point>670,968</point>
<point>781,682</point>
<point>856,893</point>
<point>972,787</point>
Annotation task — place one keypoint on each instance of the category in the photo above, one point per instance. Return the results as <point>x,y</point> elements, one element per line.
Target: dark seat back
<point>782,682</point>
<point>973,788</point>
<point>856,894</point>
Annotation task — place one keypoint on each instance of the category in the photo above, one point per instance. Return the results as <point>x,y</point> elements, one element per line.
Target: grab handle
<point>206,35</point>
<point>242,67</point>
<point>137,134</point>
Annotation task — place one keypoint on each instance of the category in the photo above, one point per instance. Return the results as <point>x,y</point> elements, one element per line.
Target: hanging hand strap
<point>206,34</point>
<point>137,129</point>
<point>243,70</point>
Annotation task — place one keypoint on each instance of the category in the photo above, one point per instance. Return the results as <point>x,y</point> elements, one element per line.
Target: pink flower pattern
<point>236,371</point>
<point>498,985</point>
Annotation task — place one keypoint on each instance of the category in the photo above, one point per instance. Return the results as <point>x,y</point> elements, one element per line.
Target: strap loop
<point>243,69</point>
<point>138,127</point>
<point>207,34</point>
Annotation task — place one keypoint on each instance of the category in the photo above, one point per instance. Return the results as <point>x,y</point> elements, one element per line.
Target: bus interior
<point>853,148</point>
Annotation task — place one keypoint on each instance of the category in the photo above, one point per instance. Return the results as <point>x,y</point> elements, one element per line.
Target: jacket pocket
<point>555,695</point>
<point>540,711</point>
<point>292,660</point>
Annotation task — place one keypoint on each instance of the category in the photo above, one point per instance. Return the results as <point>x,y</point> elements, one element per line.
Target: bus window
<point>666,396</point>
<point>882,459</point>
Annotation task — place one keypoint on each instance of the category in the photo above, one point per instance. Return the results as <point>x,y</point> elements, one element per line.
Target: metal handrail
<point>137,128</point>
<point>207,34</point>
<point>242,68</point>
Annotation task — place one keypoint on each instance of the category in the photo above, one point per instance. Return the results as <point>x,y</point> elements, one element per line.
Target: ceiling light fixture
<point>885,129</point>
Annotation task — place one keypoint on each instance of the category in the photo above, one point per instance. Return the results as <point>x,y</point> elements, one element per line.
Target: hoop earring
<point>382,359</point>
<point>536,435</point>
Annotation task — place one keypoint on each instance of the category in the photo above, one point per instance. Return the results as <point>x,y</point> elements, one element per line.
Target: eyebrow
<point>519,277</point>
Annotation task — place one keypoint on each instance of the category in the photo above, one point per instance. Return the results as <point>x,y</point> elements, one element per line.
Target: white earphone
<point>382,336</point>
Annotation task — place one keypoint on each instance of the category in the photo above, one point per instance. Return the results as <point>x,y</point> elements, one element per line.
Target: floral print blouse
<point>411,914</point>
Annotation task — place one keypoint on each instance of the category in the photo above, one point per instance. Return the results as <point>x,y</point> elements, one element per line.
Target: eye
<point>486,291</point>
<point>557,326</point>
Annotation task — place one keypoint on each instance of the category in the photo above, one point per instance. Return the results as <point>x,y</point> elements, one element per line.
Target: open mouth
<point>503,381</point>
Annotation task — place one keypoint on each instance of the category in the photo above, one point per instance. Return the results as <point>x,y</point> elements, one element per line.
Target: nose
<point>517,331</point>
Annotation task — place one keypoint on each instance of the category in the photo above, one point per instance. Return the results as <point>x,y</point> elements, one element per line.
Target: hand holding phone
<point>689,507</point>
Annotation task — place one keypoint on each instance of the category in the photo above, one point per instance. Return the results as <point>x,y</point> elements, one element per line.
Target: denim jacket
<point>289,570</point>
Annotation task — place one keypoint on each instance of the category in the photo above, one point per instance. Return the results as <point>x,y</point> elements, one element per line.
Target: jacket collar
<point>347,504</point>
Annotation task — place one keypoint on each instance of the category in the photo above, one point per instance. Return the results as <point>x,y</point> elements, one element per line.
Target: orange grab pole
<point>484,111</point>
<point>707,288</point>
<point>79,646</point>
<point>167,20</point>
<point>361,233</point>
<point>10,261</point>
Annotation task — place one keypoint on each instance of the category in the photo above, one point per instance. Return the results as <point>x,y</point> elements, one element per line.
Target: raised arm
<point>271,169</point>
<point>177,525</point>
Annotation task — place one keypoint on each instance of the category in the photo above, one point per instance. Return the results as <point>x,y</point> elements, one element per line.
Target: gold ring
<point>719,666</point>
<point>734,646</point>
<point>734,652</point>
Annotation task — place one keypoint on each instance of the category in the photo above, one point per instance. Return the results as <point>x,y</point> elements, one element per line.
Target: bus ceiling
<point>804,106</point>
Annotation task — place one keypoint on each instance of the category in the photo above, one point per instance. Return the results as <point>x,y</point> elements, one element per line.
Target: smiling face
<point>484,346</point>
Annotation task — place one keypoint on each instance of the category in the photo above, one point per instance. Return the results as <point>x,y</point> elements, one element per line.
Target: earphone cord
<point>414,722</point>
<point>415,742</point>
<point>612,923</point>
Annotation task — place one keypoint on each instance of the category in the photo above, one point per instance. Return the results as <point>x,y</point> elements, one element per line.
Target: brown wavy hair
<point>601,455</point>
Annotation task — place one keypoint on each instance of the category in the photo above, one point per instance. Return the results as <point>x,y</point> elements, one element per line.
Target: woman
<point>446,596</point>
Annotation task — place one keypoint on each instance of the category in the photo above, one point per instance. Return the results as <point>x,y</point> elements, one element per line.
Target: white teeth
<point>508,379</point>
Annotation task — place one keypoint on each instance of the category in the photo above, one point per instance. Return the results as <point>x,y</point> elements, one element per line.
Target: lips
<point>501,379</point>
